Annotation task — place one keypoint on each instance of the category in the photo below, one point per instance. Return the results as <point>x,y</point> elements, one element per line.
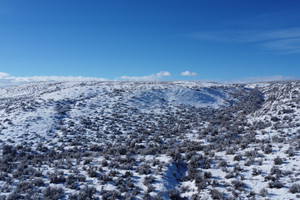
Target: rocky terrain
<point>150,140</point>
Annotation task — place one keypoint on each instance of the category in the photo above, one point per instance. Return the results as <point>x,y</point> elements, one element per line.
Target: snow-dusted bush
<point>38,182</point>
<point>207,175</point>
<point>255,172</point>
<point>149,179</point>
<point>200,181</point>
<point>268,149</point>
<point>92,172</point>
<point>275,171</point>
<point>110,195</point>
<point>144,169</point>
<point>290,152</point>
<point>278,161</point>
<point>174,194</point>
<point>223,163</point>
<point>57,177</point>
<point>237,157</point>
<point>229,175</point>
<point>53,193</point>
<point>104,178</point>
<point>263,192</point>
<point>295,188</point>
<point>275,119</point>
<point>8,150</point>
<point>87,192</point>
<point>216,195</point>
<point>275,184</point>
<point>239,185</point>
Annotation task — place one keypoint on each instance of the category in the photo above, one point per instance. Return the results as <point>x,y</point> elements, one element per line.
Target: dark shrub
<point>81,178</point>
<point>275,184</point>
<point>38,182</point>
<point>143,169</point>
<point>268,149</point>
<point>14,195</point>
<point>275,170</point>
<point>53,193</point>
<point>104,163</point>
<point>255,172</point>
<point>87,161</point>
<point>87,192</point>
<point>263,192</point>
<point>174,195</point>
<point>295,188</point>
<point>72,182</point>
<point>8,149</point>
<point>200,181</point>
<point>278,161</point>
<point>229,175</point>
<point>223,163</point>
<point>110,195</point>
<point>24,186</point>
<point>290,152</point>
<point>104,178</point>
<point>275,119</point>
<point>57,178</point>
<point>149,179</point>
<point>73,197</point>
<point>239,185</point>
<point>216,195</point>
<point>92,172</point>
<point>237,157</point>
<point>207,175</point>
<point>122,150</point>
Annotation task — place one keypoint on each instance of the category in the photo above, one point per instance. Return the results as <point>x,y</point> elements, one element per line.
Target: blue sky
<point>150,39</point>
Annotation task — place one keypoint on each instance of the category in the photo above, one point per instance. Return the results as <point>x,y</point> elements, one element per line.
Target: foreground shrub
<point>53,193</point>
<point>295,188</point>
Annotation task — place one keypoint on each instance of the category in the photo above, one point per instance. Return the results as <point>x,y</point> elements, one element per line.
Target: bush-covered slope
<point>150,140</point>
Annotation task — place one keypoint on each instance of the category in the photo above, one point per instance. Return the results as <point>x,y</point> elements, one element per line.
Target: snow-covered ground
<point>150,140</point>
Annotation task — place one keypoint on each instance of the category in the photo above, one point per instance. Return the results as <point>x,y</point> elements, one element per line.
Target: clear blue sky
<point>222,39</point>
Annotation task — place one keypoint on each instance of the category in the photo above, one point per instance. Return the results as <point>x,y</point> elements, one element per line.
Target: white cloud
<point>152,77</point>
<point>6,79</point>
<point>163,73</point>
<point>2,74</point>
<point>187,73</point>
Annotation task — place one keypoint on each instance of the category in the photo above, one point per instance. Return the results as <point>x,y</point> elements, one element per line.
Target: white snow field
<point>150,140</point>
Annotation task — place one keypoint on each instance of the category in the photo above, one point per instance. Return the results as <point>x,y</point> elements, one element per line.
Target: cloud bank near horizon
<point>265,79</point>
<point>7,79</point>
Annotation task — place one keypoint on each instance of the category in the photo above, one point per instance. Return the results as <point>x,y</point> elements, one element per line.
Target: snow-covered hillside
<point>150,140</point>
<point>34,110</point>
